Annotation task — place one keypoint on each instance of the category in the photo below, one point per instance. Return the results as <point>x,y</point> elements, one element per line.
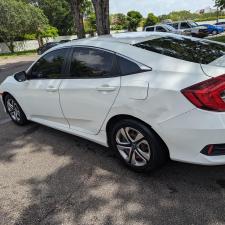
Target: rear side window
<point>91,63</point>
<point>197,51</point>
<point>127,67</point>
<point>149,29</point>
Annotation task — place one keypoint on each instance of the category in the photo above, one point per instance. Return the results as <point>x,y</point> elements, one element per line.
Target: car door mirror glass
<point>20,76</point>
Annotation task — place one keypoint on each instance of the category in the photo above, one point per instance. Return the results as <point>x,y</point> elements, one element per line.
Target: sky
<point>158,7</point>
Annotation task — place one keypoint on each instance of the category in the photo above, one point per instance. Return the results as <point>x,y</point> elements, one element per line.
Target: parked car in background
<point>183,25</point>
<point>199,31</point>
<point>161,28</point>
<point>46,46</point>
<point>214,30</point>
<point>64,41</point>
<point>190,28</point>
<point>221,24</point>
<point>148,96</point>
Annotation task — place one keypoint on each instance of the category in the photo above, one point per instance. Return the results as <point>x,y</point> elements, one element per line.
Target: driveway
<point>50,177</point>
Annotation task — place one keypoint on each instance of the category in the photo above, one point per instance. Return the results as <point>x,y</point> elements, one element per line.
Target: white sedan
<point>149,96</point>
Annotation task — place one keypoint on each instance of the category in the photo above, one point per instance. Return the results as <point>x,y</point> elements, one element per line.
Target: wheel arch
<point>4,95</point>
<point>119,117</point>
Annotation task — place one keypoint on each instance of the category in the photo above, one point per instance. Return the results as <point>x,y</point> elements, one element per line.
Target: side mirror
<point>20,76</point>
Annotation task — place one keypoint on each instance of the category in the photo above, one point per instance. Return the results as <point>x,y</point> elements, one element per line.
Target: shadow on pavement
<point>92,187</point>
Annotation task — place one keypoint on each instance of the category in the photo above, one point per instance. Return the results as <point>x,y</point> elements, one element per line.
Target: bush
<point>151,20</point>
<point>133,18</point>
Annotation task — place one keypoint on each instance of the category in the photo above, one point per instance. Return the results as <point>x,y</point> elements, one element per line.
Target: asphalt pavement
<point>50,177</point>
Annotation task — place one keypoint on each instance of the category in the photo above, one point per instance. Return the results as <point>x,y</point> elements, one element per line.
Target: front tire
<point>139,147</point>
<point>15,111</point>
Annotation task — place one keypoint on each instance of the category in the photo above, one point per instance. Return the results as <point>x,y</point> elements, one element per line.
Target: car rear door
<point>91,88</point>
<point>40,94</point>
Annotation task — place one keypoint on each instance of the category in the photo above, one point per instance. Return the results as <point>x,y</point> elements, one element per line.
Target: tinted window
<point>88,62</point>
<point>160,29</point>
<point>50,65</point>
<point>184,26</point>
<point>175,25</point>
<point>150,29</point>
<point>200,51</point>
<point>127,67</point>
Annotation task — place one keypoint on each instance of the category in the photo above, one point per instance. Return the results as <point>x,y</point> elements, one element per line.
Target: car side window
<point>175,25</point>
<point>49,66</point>
<point>127,67</point>
<point>91,63</point>
<point>184,26</point>
<point>149,29</point>
<point>160,29</point>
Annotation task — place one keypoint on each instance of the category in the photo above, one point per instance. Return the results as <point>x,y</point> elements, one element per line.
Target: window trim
<point>68,58</point>
<point>63,66</point>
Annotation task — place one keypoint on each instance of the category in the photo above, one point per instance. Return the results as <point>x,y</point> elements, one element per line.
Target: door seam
<point>61,105</point>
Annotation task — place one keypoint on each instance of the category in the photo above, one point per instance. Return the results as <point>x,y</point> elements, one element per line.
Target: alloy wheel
<point>13,110</point>
<point>133,146</point>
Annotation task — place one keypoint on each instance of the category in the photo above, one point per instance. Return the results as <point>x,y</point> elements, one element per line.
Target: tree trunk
<point>40,40</point>
<point>78,17</point>
<point>11,46</point>
<point>102,16</point>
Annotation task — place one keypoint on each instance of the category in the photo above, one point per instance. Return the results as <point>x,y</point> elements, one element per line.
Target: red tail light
<point>208,95</point>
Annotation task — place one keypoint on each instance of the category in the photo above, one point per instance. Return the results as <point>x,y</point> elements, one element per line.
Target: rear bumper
<point>187,134</point>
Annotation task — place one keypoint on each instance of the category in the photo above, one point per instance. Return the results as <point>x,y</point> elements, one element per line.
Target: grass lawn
<point>220,39</point>
<point>8,55</point>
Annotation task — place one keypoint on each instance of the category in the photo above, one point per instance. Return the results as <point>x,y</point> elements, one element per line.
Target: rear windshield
<point>197,51</point>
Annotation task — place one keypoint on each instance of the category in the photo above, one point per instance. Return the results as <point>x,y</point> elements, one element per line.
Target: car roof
<point>123,38</point>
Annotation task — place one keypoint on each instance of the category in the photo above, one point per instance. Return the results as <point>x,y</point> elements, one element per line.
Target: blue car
<point>212,29</point>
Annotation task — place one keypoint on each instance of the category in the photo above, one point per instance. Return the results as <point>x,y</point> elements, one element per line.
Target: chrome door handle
<point>51,89</point>
<point>106,88</point>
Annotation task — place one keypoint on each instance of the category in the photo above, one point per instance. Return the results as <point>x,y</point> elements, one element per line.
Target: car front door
<point>90,90</point>
<point>40,94</point>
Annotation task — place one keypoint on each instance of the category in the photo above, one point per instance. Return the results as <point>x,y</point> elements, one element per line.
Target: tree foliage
<point>90,24</point>
<point>19,19</point>
<point>58,13</point>
<point>118,21</point>
<point>220,3</point>
<point>151,20</point>
<point>186,15</point>
<point>133,18</point>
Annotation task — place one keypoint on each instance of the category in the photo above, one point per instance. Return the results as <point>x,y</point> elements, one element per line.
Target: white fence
<point>32,44</point>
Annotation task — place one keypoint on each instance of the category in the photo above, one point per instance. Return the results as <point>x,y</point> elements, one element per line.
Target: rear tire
<point>139,147</point>
<point>215,32</point>
<point>15,111</point>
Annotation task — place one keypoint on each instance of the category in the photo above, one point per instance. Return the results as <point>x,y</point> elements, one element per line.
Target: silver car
<point>161,28</point>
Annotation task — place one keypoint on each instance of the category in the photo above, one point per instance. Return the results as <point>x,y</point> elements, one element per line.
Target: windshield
<point>193,24</point>
<point>197,51</point>
<point>170,28</point>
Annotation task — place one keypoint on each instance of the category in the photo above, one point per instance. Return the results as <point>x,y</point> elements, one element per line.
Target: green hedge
<point>208,19</point>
